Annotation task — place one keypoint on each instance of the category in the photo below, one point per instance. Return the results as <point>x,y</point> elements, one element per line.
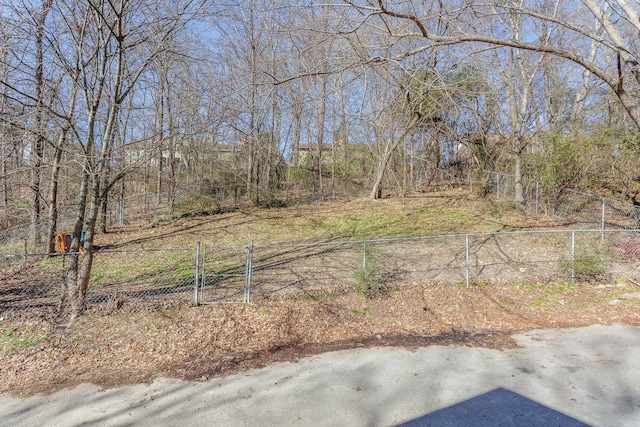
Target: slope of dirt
<point>442,212</point>
<point>201,342</point>
<point>131,346</point>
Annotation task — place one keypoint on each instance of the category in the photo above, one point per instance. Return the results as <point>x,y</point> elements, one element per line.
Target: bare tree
<point>5,107</point>
<point>524,69</point>
<point>115,43</point>
<point>40,119</point>
<point>58,148</point>
<point>415,23</point>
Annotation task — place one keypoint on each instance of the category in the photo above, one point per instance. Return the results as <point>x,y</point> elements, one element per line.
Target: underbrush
<point>212,340</point>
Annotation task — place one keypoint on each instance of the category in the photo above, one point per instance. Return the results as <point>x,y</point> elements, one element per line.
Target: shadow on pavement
<point>499,407</point>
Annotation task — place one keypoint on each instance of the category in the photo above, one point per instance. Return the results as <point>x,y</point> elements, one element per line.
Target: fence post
<point>364,255</point>
<point>603,217</point>
<point>573,256</point>
<point>196,276</point>
<point>537,195</point>
<point>249,275</point>
<point>466,251</point>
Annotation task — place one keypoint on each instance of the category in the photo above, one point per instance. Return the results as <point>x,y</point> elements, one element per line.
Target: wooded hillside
<point>208,105</point>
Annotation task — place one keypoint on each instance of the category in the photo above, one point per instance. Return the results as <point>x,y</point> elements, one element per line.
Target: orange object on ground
<point>63,242</point>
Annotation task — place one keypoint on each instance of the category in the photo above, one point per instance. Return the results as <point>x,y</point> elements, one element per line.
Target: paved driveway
<point>569,377</point>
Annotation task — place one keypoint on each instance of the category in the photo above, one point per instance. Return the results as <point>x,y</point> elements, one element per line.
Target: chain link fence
<point>135,280</point>
<point>223,274</point>
<point>579,208</point>
<point>285,269</point>
<point>529,257</point>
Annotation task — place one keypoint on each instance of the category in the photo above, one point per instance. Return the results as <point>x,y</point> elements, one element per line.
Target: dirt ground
<point>215,340</point>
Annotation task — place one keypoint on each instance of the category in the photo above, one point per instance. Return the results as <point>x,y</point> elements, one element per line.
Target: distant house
<point>184,157</point>
<point>307,151</point>
<point>143,156</point>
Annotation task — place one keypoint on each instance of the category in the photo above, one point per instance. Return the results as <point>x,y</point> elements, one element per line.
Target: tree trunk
<point>159,178</point>
<point>55,174</point>
<point>5,184</point>
<point>519,191</point>
<point>388,152</point>
<point>250,166</point>
<point>97,197</point>
<point>36,173</point>
<point>53,198</point>
<point>320,137</point>
<point>37,147</point>
<point>160,130</point>
<point>71,282</point>
<point>84,271</point>
<point>4,129</point>
<point>104,210</point>
<point>172,149</point>
<point>297,130</point>
<point>412,182</point>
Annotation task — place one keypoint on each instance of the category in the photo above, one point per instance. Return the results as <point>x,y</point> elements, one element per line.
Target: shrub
<point>588,266</point>
<point>370,277</point>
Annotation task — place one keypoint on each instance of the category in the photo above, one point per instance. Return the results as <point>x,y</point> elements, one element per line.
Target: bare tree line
<point>237,100</point>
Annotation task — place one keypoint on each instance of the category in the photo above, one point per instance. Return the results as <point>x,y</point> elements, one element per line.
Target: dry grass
<point>200,342</point>
<point>430,214</point>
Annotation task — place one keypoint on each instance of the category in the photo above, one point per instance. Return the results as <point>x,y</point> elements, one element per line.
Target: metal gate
<point>224,274</point>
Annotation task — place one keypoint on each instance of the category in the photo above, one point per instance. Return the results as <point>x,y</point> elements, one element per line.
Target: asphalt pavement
<point>566,377</point>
